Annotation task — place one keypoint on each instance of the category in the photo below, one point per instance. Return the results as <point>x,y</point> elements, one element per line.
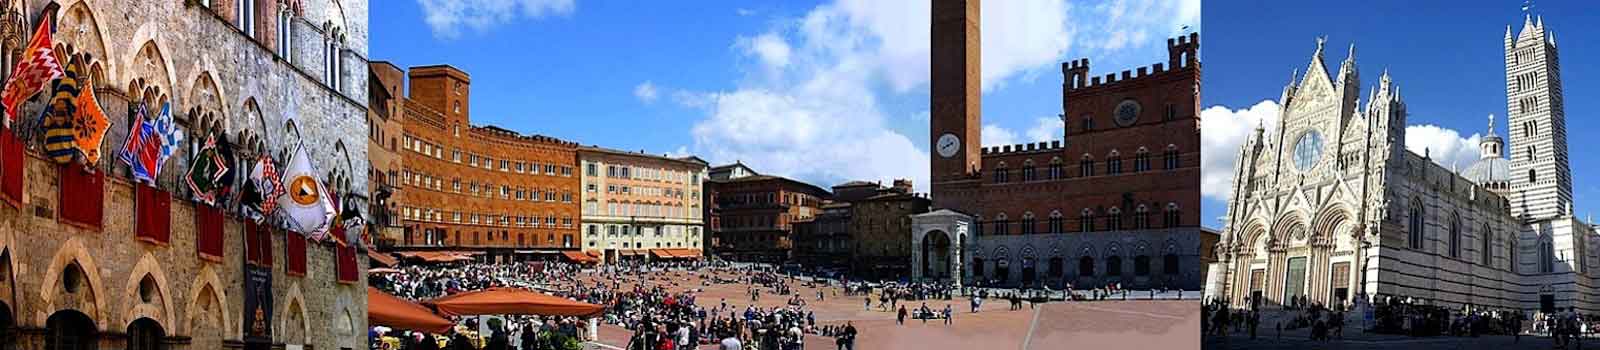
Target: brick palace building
<point>481,189</point>
<point>1116,201</point>
<point>75,274</point>
<point>752,216</point>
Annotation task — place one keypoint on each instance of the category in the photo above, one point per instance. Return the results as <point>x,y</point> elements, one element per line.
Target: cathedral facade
<point>1331,206</point>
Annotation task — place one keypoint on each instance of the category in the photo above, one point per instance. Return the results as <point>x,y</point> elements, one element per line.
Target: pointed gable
<point>1316,83</point>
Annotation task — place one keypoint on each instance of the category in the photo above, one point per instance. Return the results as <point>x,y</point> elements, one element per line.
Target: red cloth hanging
<point>348,271</point>
<point>12,160</point>
<point>208,223</point>
<point>153,214</point>
<point>82,197</point>
<point>295,252</point>
<point>258,251</point>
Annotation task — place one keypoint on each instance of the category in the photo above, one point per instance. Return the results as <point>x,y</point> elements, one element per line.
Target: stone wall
<point>197,299</point>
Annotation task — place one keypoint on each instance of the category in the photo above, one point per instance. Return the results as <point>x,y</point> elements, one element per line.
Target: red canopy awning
<point>437,257</point>
<point>675,253</point>
<point>579,257</point>
<point>382,259</point>
<point>386,310</point>
<point>511,301</point>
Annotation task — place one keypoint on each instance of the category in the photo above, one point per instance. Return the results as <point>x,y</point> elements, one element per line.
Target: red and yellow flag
<point>38,67</point>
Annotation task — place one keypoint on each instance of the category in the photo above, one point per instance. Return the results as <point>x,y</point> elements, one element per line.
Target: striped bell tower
<point>1541,181</point>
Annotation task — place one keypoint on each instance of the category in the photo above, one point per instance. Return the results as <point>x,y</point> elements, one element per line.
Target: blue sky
<point>1446,56</point>
<point>820,91</point>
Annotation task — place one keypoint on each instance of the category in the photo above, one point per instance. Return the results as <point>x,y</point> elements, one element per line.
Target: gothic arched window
<point>1455,236</point>
<point>1414,237</point>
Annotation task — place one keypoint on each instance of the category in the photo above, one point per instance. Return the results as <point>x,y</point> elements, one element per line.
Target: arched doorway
<point>977,269</point>
<point>1114,266</point>
<point>6,323</point>
<point>1057,268</point>
<point>145,334</point>
<point>936,255</point>
<point>1029,272</point>
<point>70,330</point>
<point>1085,267</point>
<point>1002,270</point>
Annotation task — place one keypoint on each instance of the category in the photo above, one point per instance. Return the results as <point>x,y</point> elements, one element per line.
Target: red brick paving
<point>1081,325</point>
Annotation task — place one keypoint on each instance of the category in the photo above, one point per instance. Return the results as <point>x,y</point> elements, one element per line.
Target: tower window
<point>1533,176</point>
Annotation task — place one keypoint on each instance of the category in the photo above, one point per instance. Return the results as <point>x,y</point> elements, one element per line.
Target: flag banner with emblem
<point>37,68</point>
<point>354,225</point>
<point>335,225</point>
<point>259,196</point>
<point>60,137</point>
<point>205,174</point>
<point>171,136</point>
<point>90,123</point>
<point>304,203</point>
<point>225,192</point>
<point>142,150</point>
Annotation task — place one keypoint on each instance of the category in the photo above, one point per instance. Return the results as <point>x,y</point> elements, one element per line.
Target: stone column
<point>917,235</point>
<point>1277,264</point>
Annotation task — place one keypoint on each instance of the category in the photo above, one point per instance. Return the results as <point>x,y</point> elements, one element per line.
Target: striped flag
<point>60,142</point>
<point>142,150</point>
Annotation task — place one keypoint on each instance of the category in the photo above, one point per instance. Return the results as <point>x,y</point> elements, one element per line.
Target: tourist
<point>901,318</point>
<point>947,315</point>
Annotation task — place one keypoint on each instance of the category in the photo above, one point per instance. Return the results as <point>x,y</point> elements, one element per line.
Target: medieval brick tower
<point>1541,181</point>
<point>954,93</point>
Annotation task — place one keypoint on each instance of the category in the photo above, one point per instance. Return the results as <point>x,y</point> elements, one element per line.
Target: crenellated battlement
<point>1180,57</point>
<point>1023,148</point>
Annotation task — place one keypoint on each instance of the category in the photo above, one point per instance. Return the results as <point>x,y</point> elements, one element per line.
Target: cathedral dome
<point>1488,170</point>
<point>1491,169</point>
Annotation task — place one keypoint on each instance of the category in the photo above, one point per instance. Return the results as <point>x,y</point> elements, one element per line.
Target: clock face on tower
<point>948,145</point>
<point>1127,112</point>
<point>1307,150</point>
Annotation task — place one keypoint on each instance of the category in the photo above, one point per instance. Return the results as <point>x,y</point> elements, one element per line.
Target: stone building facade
<point>1330,206</point>
<point>481,188</point>
<point>286,73</point>
<point>1117,201</point>
<point>881,228</point>
<point>756,214</point>
<point>386,117</point>
<point>635,202</point>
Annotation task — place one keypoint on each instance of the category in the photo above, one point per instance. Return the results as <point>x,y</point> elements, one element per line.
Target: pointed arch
<point>293,307</point>
<point>207,288</point>
<point>158,311</point>
<point>150,61</point>
<point>73,252</point>
<point>81,26</point>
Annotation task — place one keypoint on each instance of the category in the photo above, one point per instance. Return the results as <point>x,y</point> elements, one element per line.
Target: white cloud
<point>1445,146</point>
<point>808,106</point>
<point>1222,131</point>
<point>447,17</point>
<point>994,135</point>
<point>744,11</point>
<point>645,92</point>
<point>770,47</point>
<point>1135,22</point>
<point>1045,129</point>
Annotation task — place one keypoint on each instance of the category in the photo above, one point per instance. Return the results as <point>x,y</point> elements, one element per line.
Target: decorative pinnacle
<point>1320,41</point>
<point>1352,56</point>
